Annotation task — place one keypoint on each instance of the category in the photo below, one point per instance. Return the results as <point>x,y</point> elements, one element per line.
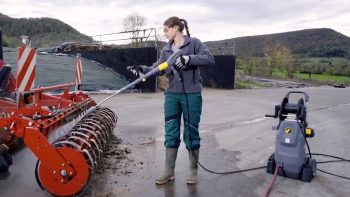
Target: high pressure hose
<point>269,188</point>
<point>180,78</point>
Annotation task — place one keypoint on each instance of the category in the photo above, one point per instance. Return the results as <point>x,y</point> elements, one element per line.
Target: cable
<point>330,161</point>
<point>307,143</point>
<point>339,176</point>
<point>332,156</point>
<point>230,172</point>
<point>189,136</point>
<point>340,159</point>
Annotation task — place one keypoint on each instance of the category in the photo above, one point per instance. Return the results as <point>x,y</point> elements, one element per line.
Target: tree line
<point>47,31</point>
<point>279,61</point>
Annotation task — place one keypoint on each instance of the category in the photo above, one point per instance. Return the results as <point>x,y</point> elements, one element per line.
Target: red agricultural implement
<point>65,166</point>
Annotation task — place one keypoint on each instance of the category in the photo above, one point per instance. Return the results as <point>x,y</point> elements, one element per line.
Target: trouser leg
<point>191,133</point>
<point>172,113</point>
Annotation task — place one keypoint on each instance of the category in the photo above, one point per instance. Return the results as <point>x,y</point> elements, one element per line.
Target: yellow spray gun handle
<point>170,62</point>
<point>163,66</point>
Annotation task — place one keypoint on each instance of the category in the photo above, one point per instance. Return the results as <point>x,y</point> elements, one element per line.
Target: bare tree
<point>159,32</point>
<point>133,23</point>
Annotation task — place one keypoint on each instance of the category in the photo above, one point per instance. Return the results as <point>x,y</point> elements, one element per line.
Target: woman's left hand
<point>182,62</point>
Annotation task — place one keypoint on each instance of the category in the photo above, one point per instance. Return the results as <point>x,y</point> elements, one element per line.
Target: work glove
<point>136,70</point>
<point>182,62</point>
<point>5,162</point>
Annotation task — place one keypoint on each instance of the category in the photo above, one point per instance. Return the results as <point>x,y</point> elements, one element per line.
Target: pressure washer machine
<point>290,158</point>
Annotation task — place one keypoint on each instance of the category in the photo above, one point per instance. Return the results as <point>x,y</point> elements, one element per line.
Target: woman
<point>183,94</point>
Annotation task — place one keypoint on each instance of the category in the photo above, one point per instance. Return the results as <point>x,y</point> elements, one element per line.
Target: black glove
<point>136,70</point>
<point>5,162</point>
<point>183,61</point>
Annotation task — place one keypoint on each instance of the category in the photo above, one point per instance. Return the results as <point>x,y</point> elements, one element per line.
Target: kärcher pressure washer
<point>289,158</point>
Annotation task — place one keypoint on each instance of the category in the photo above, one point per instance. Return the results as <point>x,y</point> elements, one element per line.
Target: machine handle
<point>270,116</point>
<point>298,92</point>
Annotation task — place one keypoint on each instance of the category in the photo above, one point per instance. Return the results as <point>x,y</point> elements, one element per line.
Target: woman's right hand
<point>136,70</point>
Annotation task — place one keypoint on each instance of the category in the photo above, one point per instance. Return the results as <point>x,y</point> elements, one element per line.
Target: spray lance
<point>161,67</point>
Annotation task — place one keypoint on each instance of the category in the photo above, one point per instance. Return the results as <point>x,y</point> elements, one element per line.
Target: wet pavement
<point>235,135</point>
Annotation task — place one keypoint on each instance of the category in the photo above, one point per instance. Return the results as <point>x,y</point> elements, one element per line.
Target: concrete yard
<point>235,135</point>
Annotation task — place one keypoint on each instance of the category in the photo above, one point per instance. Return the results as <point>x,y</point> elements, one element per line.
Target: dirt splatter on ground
<point>116,159</point>
<point>148,142</point>
<point>115,163</point>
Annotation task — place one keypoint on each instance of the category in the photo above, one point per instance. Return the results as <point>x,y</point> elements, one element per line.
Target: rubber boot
<point>170,158</point>
<point>193,156</point>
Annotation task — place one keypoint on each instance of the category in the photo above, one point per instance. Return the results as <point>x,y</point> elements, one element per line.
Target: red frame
<point>20,119</point>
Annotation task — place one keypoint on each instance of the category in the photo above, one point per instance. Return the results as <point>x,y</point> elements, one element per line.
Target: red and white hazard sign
<point>78,75</point>
<point>25,69</point>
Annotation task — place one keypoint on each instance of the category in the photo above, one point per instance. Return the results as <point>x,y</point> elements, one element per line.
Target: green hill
<point>310,43</point>
<point>43,31</point>
<point>46,32</point>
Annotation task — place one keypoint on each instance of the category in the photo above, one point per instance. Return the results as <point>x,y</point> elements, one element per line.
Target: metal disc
<point>71,186</point>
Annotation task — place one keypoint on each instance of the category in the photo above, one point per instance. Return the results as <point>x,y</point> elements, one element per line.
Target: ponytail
<point>186,27</point>
<point>175,21</point>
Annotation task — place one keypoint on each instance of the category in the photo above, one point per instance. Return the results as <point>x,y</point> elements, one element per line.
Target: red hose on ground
<point>273,181</point>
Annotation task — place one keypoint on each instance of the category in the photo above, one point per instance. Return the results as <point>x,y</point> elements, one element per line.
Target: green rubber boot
<point>170,158</point>
<point>193,156</point>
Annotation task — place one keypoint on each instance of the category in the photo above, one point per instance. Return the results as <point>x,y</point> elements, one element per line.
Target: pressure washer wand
<point>138,80</point>
<point>170,62</point>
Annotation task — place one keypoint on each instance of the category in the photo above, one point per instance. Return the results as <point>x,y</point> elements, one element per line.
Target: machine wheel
<point>71,187</point>
<point>313,167</point>
<point>271,164</point>
<point>308,170</point>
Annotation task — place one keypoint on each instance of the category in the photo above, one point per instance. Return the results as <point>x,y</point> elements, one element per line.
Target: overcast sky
<point>207,19</point>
